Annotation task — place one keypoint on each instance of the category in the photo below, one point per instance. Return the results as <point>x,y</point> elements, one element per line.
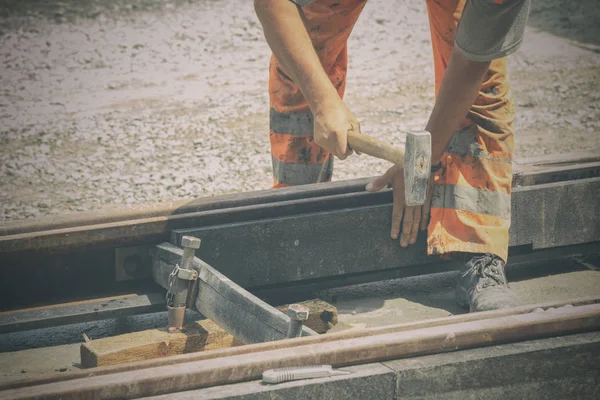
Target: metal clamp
<point>181,273</point>
<point>181,282</point>
<point>186,274</point>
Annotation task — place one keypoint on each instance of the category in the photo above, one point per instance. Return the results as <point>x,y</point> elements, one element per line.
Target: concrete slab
<point>557,368</point>
<point>561,367</point>
<point>38,362</point>
<point>432,296</point>
<point>369,381</point>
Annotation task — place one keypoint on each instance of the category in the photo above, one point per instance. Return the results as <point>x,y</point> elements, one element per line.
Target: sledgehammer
<point>415,158</point>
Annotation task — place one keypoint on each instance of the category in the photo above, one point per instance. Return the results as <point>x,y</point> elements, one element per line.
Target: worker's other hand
<point>332,123</point>
<point>411,218</point>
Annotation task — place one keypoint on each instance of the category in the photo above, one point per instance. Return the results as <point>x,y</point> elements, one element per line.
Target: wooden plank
<point>155,343</point>
<point>381,347</point>
<point>202,335</point>
<point>287,344</point>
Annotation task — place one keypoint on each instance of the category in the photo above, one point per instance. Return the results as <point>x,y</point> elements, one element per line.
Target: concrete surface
<point>432,296</point>
<point>38,362</point>
<point>370,381</point>
<point>557,368</point>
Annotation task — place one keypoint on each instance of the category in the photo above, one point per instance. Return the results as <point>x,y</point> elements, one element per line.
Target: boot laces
<point>489,270</point>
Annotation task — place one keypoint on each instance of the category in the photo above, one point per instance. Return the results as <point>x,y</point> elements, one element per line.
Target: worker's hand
<point>332,123</point>
<point>411,218</point>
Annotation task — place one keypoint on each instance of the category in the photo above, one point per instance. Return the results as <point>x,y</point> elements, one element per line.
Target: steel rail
<point>152,223</point>
<point>184,206</point>
<point>344,352</point>
<point>143,303</point>
<point>149,302</point>
<point>82,311</point>
<point>525,171</point>
<point>520,258</point>
<point>305,246</point>
<point>286,344</point>
<point>283,247</point>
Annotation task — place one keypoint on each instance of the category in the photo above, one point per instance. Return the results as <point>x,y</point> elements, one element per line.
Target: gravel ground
<point>138,101</point>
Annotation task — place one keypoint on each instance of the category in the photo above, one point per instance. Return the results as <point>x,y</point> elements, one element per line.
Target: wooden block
<point>202,335</point>
<point>155,343</point>
<point>322,315</point>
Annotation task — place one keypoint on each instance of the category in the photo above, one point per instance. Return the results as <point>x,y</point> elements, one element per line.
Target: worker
<point>468,209</point>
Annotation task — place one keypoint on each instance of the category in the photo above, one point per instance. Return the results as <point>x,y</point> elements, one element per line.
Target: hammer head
<point>417,167</point>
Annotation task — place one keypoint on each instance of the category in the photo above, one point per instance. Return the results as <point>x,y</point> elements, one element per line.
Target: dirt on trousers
<point>137,101</point>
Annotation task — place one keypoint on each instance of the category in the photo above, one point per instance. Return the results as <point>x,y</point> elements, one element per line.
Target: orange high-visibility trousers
<point>471,200</point>
<point>297,160</point>
<point>470,207</point>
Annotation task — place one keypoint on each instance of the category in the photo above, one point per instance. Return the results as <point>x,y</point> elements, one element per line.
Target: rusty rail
<point>284,344</point>
<point>146,223</point>
<point>342,349</point>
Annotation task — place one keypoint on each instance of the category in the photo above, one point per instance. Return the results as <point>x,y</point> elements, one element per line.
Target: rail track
<point>266,248</point>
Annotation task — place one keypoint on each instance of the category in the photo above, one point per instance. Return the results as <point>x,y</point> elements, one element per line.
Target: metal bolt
<point>189,244</point>
<point>190,241</point>
<point>180,289</point>
<point>297,314</point>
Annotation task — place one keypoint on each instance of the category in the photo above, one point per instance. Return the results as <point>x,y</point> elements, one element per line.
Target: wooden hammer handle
<point>375,147</point>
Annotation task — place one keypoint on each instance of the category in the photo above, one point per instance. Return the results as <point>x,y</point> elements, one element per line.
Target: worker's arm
<point>284,30</point>
<point>457,93</point>
<point>487,30</point>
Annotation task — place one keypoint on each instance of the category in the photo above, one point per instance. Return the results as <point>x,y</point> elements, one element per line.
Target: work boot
<point>482,284</point>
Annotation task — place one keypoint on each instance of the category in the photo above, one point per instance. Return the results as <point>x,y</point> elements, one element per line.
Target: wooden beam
<point>155,343</point>
<point>200,336</point>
